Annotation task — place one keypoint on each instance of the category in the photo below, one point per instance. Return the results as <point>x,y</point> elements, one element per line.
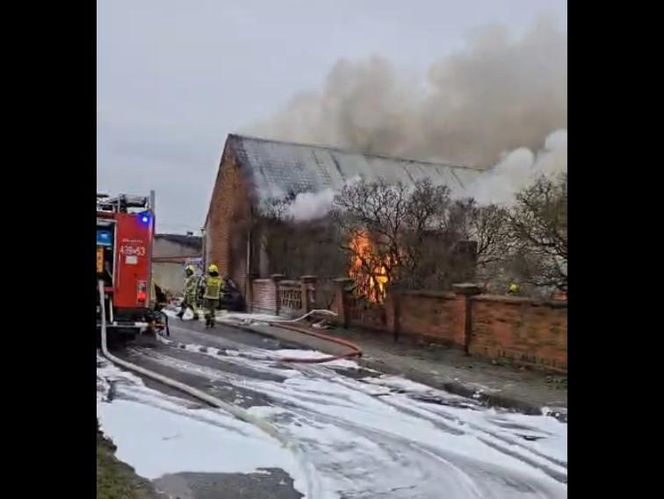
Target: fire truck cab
<point>125,233</point>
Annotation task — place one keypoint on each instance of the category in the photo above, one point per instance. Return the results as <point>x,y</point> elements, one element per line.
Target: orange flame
<point>370,276</point>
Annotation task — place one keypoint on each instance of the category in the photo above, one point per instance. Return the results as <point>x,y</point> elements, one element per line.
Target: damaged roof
<point>277,169</point>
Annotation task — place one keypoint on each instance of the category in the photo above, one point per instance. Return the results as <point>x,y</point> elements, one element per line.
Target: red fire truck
<point>125,232</point>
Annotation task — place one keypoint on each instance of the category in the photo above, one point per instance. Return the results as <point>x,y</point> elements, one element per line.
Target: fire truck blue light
<point>103,238</point>
<point>144,217</point>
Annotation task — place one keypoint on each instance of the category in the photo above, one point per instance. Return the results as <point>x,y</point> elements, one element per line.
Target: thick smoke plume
<point>520,168</point>
<point>499,184</point>
<point>498,94</point>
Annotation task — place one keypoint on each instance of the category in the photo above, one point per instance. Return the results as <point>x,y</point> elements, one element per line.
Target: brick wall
<point>525,331</point>
<point>520,329</point>
<point>263,296</point>
<point>367,315</point>
<point>225,242</point>
<point>278,296</point>
<point>218,224</point>
<point>438,316</point>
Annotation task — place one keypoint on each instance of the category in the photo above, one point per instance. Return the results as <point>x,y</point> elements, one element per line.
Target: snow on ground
<point>384,436</point>
<point>244,317</point>
<point>313,354</point>
<point>228,317</point>
<point>400,383</point>
<point>553,432</point>
<point>260,319</point>
<point>275,355</point>
<point>158,434</point>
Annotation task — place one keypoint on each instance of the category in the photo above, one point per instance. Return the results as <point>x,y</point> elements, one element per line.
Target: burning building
<point>245,240</point>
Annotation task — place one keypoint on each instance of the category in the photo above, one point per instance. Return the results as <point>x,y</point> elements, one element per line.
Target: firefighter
<point>189,293</point>
<point>158,301</point>
<point>213,287</point>
<point>513,289</point>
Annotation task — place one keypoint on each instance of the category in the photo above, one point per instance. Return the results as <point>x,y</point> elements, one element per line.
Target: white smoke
<point>498,184</point>
<point>520,168</point>
<point>311,205</point>
<point>498,94</point>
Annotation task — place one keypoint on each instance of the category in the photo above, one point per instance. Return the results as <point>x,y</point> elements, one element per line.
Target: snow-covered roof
<point>194,242</point>
<point>277,169</point>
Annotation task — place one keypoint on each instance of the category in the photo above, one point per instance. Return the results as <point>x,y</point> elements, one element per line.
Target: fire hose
<point>235,411</point>
<point>355,351</point>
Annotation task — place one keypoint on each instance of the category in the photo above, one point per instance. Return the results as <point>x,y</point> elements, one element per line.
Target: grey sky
<point>175,77</point>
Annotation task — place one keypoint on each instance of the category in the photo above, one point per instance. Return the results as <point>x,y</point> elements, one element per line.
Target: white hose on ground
<point>320,311</point>
<point>236,411</point>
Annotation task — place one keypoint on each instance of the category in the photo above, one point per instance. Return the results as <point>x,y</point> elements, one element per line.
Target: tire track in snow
<point>292,399</point>
<point>540,461</point>
<point>435,414</point>
<point>469,476</point>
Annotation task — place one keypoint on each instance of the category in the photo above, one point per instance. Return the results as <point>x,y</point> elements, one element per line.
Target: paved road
<point>365,435</point>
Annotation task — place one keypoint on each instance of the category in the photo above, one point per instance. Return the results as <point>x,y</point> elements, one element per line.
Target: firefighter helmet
<point>213,269</point>
<point>189,269</point>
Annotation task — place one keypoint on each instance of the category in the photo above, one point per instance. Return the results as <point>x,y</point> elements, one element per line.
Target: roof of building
<point>194,242</point>
<point>278,169</point>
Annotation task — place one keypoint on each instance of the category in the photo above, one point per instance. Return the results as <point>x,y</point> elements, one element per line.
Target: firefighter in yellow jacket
<point>190,288</point>
<point>213,286</point>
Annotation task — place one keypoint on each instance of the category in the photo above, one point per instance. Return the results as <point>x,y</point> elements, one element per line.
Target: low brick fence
<point>525,331</point>
<point>279,296</point>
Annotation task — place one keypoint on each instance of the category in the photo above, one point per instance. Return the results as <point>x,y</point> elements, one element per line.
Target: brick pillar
<point>393,312</point>
<point>249,299</point>
<point>341,300</point>
<point>308,284</point>
<point>467,290</point>
<point>277,302</point>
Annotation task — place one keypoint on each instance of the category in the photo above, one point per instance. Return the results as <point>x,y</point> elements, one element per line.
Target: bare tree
<point>295,248</point>
<point>370,217</point>
<point>418,237</point>
<point>486,225</point>
<point>490,228</point>
<point>405,235</point>
<point>426,216</point>
<point>538,226</point>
